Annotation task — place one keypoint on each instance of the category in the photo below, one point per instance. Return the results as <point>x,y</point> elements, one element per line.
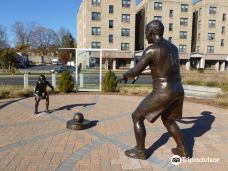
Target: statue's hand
<point>135,79</point>
<point>125,80</point>
<point>122,79</point>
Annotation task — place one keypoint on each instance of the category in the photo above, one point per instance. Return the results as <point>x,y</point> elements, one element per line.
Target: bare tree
<point>44,40</point>
<point>61,33</point>
<point>108,61</point>
<point>3,38</point>
<point>23,33</point>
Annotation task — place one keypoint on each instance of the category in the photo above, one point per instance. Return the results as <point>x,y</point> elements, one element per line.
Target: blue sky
<point>49,13</point>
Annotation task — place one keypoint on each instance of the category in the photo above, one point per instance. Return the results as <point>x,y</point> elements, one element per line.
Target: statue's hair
<point>42,77</point>
<point>156,27</point>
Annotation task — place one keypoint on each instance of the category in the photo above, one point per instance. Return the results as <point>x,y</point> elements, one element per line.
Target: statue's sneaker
<point>135,153</point>
<point>182,152</point>
<point>47,111</point>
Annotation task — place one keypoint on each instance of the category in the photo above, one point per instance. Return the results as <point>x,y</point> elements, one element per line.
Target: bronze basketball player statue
<point>40,92</point>
<point>166,99</point>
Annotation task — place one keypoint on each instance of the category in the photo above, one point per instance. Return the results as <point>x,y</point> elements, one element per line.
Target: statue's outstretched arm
<point>140,66</point>
<point>50,86</point>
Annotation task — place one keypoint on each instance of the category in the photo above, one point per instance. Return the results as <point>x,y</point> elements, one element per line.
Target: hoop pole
<point>100,70</point>
<point>76,61</point>
<point>76,66</point>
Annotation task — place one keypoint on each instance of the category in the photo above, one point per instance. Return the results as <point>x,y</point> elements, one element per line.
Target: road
<point>46,68</point>
<point>87,78</point>
<point>18,80</point>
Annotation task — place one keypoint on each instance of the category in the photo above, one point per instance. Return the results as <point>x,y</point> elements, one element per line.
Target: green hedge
<point>66,82</point>
<point>109,82</point>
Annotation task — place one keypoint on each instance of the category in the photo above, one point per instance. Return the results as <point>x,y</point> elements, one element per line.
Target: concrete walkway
<point>42,142</point>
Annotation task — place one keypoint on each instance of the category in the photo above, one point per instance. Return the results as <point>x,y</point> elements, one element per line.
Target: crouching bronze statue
<point>166,99</point>
<point>40,93</point>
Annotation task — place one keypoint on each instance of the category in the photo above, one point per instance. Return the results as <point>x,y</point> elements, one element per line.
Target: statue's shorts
<point>41,95</point>
<point>166,101</point>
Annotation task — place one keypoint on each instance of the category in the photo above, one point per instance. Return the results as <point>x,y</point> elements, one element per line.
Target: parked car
<point>24,64</point>
<point>61,69</point>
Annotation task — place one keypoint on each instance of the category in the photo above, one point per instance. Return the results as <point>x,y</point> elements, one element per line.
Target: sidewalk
<point>42,142</point>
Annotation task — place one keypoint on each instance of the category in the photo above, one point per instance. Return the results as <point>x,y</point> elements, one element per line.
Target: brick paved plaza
<point>42,142</point>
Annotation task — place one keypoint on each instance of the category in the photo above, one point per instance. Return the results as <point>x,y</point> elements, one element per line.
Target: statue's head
<point>154,29</point>
<point>42,78</point>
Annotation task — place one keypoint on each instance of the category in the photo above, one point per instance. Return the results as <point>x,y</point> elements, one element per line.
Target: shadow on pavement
<point>93,123</point>
<point>70,107</point>
<point>10,102</point>
<point>202,124</point>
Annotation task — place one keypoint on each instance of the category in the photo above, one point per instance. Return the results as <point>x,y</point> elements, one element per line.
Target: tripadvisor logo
<point>175,160</point>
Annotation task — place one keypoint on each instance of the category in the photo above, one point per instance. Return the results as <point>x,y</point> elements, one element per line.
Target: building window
<point>198,49</point>
<point>199,24</point>
<point>170,26</point>
<point>96,31</point>
<point>171,13</point>
<point>170,39</point>
<point>158,6</point>
<point>183,21</point>
<point>222,42</point>
<point>211,36</point>
<point>124,46</point>
<point>212,10</point>
<point>198,37</point>
<point>158,18</point>
<point>200,11</point>
<point>210,49</point>
<point>126,3</point>
<point>111,9</point>
<point>184,7</point>
<point>211,23</point>
<point>96,16</point>
<point>182,48</point>
<point>125,32</point>
<point>223,29</point>
<point>223,17</point>
<point>110,38</point>
<point>96,45</point>
<point>96,2</point>
<point>110,24</point>
<point>125,18</point>
<point>183,34</point>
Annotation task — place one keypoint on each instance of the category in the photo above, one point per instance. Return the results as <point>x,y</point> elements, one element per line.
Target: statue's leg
<point>139,130</point>
<point>36,105</point>
<point>47,105</point>
<point>140,135</point>
<point>175,132</point>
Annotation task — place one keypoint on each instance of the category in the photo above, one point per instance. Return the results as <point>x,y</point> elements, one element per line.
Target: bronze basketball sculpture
<point>78,122</point>
<point>166,99</point>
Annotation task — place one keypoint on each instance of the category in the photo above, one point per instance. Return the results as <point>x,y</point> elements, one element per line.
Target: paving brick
<point>56,160</point>
<point>116,167</point>
<point>42,142</point>
<point>84,167</point>
<point>105,165</point>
